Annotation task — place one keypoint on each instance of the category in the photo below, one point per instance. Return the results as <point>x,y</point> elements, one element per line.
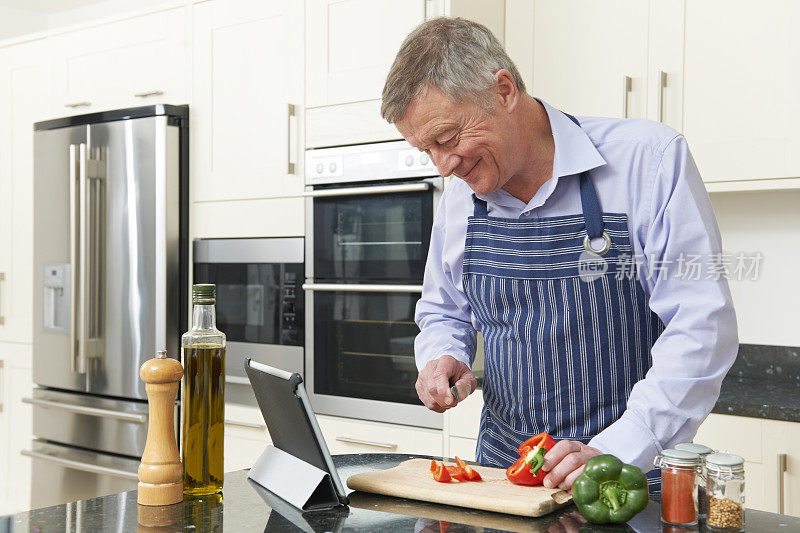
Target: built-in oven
<point>260,304</point>
<point>369,216</point>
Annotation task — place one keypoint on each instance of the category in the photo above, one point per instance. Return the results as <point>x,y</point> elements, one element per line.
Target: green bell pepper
<point>609,490</point>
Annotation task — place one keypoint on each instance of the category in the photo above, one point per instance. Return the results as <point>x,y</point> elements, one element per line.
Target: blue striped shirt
<point>645,170</point>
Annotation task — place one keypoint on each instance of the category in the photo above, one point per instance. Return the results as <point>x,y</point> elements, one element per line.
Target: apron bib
<point>563,349</point>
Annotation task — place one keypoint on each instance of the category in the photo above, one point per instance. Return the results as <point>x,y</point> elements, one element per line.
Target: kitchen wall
<point>766,222</point>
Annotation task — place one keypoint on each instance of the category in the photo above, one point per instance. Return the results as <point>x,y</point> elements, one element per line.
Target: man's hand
<point>565,461</point>
<point>434,382</point>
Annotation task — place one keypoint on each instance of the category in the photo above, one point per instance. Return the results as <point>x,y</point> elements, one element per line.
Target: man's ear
<point>506,91</point>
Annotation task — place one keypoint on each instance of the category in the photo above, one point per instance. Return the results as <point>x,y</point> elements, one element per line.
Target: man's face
<point>462,139</point>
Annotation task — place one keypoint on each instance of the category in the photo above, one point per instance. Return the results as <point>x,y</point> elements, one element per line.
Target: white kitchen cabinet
<point>464,419</point>
<point>15,427</point>
<point>135,61</point>
<point>781,438</point>
<point>351,44</point>
<point>24,99</point>
<point>347,435</point>
<point>740,109</point>
<point>462,448</point>
<point>590,58</point>
<point>246,436</point>
<point>247,107</point>
<point>742,436</point>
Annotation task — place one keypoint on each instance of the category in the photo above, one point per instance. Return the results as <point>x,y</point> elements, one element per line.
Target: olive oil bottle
<point>203,397</point>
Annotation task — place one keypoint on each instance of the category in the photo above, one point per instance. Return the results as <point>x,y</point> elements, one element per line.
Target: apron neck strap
<point>481,209</point>
<point>592,214</point>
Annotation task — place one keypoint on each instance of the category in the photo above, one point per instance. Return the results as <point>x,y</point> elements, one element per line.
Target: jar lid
<point>673,457</point>
<point>724,462</point>
<point>700,449</point>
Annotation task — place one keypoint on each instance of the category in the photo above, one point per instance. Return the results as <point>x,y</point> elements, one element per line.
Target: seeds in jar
<point>723,512</point>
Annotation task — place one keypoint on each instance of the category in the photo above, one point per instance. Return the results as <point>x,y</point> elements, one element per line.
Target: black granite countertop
<point>244,506</point>
<point>764,382</point>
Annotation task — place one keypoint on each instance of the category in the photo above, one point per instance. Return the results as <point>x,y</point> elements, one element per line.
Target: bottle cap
<point>699,449</point>
<point>204,293</point>
<point>673,457</point>
<point>161,354</point>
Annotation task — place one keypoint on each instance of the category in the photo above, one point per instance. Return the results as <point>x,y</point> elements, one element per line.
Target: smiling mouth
<point>469,174</point>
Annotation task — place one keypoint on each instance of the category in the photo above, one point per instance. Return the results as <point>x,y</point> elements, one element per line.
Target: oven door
<point>372,233</point>
<point>360,353</point>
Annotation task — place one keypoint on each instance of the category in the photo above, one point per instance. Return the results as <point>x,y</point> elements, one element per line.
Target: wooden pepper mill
<point>161,471</point>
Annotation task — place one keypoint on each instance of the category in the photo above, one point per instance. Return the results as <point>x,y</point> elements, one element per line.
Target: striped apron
<point>563,349</point>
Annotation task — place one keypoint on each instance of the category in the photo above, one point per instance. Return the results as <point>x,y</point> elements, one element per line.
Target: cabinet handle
<point>148,93</point>
<point>2,282</point>
<point>626,89</point>
<point>248,425</point>
<point>386,445</point>
<point>290,156</point>
<point>782,460</point>
<point>662,83</point>
<point>78,104</point>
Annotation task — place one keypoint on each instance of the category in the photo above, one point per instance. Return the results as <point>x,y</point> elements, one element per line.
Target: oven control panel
<point>291,317</point>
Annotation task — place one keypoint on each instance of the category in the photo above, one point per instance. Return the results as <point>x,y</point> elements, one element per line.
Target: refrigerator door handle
<point>74,242</point>
<point>135,418</point>
<point>83,258</point>
<point>78,465</point>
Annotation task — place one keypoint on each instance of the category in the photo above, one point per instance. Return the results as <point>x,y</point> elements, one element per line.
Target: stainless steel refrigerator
<point>110,279</point>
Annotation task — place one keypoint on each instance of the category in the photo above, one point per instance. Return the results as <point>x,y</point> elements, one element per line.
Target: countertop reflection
<point>245,506</point>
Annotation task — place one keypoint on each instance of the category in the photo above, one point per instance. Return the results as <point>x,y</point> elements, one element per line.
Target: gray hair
<point>457,56</point>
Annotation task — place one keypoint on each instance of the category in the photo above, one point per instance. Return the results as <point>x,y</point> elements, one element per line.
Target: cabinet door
<point>136,61</point>
<point>782,438</point>
<point>740,92</point>
<point>248,75</point>
<point>24,99</point>
<point>352,44</point>
<point>742,436</point>
<point>590,58</point>
<point>246,436</point>
<point>15,425</point>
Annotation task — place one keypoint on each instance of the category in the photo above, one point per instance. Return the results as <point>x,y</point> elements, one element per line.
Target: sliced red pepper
<point>443,526</point>
<point>441,474</point>
<point>471,473</point>
<point>433,465</point>
<point>520,473</point>
<point>457,473</point>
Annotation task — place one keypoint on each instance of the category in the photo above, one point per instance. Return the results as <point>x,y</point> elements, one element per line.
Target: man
<point>565,242</point>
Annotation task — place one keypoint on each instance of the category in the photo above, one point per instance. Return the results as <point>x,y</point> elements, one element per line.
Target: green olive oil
<point>203,397</point>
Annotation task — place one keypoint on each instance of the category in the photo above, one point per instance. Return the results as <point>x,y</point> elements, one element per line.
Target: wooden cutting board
<point>413,479</point>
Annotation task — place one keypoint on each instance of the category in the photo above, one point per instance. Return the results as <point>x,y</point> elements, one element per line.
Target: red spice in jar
<point>677,495</point>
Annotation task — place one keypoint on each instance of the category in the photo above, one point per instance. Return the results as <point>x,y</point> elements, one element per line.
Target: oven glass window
<point>257,302</point>
<point>383,237</point>
<point>364,345</point>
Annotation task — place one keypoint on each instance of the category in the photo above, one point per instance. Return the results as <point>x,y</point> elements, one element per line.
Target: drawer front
<point>102,424</point>
<point>344,435</point>
<point>465,418</point>
<point>463,448</point>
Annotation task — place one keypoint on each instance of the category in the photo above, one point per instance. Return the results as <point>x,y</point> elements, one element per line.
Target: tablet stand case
<point>301,484</point>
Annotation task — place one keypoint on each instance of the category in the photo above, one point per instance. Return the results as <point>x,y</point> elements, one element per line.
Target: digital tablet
<point>292,425</point>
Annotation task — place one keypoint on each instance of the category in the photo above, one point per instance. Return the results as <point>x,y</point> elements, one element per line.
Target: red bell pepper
<point>527,470</point>
<point>457,473</point>
<point>470,473</point>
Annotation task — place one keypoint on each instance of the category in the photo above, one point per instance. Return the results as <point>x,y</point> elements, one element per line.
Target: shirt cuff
<point>452,351</point>
<point>630,440</point>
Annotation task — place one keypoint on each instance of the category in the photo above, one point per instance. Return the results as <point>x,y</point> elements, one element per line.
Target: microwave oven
<point>260,304</point>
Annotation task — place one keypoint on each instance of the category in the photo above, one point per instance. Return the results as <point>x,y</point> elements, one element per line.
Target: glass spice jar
<point>725,492</point>
<point>702,498</point>
<point>679,473</point>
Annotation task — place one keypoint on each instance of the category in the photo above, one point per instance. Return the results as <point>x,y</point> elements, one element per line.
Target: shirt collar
<point>574,153</point>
